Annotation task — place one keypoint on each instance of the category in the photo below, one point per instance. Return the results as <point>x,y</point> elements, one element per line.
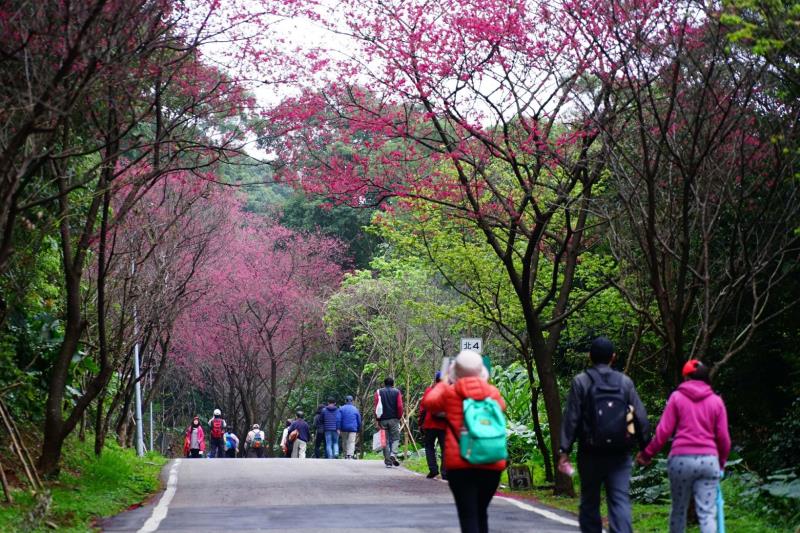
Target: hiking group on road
<point>462,414</point>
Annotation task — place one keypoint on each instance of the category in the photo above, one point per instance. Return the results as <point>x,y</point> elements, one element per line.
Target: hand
<point>641,460</point>
<point>564,465</point>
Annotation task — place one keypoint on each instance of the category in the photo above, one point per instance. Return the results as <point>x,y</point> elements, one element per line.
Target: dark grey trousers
<point>612,471</point>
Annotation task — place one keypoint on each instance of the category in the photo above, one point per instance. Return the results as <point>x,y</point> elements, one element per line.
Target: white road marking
<point>160,510</point>
<point>543,512</point>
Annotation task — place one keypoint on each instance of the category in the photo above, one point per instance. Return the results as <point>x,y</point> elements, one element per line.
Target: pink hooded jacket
<point>697,418</point>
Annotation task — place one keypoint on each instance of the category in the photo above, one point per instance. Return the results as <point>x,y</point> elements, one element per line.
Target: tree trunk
<point>273,400</point>
<point>99,426</point>
<point>552,403</point>
<point>537,426</point>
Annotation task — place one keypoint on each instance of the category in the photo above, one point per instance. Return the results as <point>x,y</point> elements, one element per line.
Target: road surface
<point>313,495</point>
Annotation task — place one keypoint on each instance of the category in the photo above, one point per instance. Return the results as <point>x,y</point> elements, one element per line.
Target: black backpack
<point>607,409</point>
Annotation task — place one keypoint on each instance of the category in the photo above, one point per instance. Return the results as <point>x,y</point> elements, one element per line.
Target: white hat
<point>255,426</point>
<point>217,412</point>
<point>468,363</point>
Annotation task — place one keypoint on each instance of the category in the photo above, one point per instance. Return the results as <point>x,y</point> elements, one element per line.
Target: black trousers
<point>473,490</point>
<point>231,453</point>
<point>319,444</point>
<point>217,448</point>
<point>194,453</point>
<point>431,436</point>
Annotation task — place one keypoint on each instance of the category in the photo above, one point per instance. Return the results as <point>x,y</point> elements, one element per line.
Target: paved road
<point>314,495</point>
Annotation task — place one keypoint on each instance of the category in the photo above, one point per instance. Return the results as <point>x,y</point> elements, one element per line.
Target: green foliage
<point>651,485</point>
<point>345,223</point>
<point>88,488</point>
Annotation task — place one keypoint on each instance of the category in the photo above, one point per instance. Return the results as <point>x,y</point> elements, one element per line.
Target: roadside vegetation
<point>87,489</point>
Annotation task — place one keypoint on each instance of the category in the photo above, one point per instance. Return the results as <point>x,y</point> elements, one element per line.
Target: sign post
<point>472,343</point>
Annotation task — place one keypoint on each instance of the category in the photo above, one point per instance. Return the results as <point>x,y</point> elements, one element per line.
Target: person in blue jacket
<point>351,426</point>
<point>332,422</point>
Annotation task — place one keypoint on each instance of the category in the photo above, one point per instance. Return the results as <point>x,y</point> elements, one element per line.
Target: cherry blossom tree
<point>487,109</point>
<point>246,342</point>
<point>102,98</point>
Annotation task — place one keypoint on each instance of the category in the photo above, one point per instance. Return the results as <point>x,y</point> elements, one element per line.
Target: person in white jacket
<point>255,441</point>
<point>286,444</point>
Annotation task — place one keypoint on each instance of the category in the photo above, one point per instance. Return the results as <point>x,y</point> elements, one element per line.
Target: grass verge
<point>647,518</point>
<point>87,488</point>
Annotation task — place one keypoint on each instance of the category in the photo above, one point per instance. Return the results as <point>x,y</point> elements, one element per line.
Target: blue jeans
<point>332,444</point>
<point>613,471</point>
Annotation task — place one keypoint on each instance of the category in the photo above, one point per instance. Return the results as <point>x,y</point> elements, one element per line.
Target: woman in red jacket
<point>473,486</point>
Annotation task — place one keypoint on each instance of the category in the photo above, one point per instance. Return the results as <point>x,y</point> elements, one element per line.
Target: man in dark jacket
<point>389,410</point>
<point>301,437</point>
<point>434,425</point>
<point>319,433</point>
<point>332,422</point>
<point>604,442</point>
<point>351,425</point>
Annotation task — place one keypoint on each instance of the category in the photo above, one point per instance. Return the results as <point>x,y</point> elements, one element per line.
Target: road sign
<point>472,343</point>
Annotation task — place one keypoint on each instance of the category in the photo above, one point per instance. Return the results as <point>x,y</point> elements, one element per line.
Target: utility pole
<point>136,376</point>
<point>150,374</point>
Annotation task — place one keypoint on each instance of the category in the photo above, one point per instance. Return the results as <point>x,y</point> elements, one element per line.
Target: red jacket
<point>429,418</point>
<point>449,398</point>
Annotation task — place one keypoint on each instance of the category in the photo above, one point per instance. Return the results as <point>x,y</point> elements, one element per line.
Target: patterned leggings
<point>698,476</point>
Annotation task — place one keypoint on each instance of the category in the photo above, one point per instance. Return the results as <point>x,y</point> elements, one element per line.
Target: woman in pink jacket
<point>194,443</point>
<point>697,419</point>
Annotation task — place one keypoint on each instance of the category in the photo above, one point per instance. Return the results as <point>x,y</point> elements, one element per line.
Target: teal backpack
<point>483,437</point>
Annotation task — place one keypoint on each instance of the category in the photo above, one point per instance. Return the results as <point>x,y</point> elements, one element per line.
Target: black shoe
<point>432,475</point>
<point>395,462</point>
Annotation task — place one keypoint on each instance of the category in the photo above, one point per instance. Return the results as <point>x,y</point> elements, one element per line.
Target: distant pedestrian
<point>255,441</point>
<point>194,444</point>
<point>434,426</point>
<point>319,433</point>
<point>606,417</point>
<point>351,426</point>
<point>299,435</point>
<point>286,445</point>
<point>332,422</point>
<point>231,443</point>
<point>474,483</point>
<point>697,421</point>
<point>389,411</point>
<point>216,435</point>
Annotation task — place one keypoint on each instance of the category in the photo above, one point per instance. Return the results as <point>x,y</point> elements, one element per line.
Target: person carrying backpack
<point>697,420</point>
<point>475,441</point>
<point>286,444</point>
<point>299,434</point>
<point>606,417</point>
<point>255,441</point>
<point>216,438</point>
<point>319,433</point>
<point>231,443</point>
